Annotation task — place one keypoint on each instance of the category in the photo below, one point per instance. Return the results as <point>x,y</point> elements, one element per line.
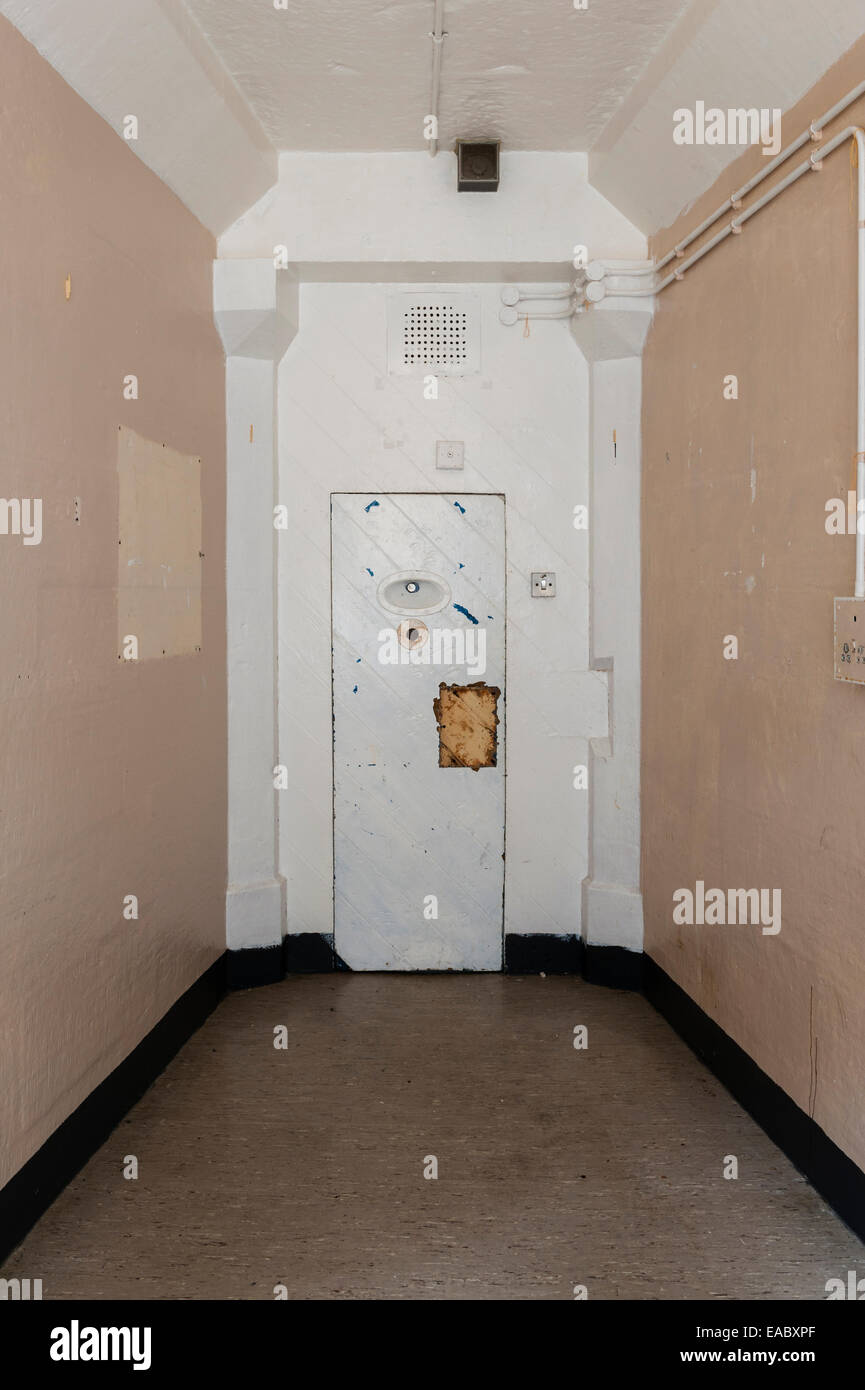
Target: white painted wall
<point>256,314</point>
<point>350,223</point>
<point>345,425</point>
<point>611,336</point>
<point>612,901</point>
<point>405,207</point>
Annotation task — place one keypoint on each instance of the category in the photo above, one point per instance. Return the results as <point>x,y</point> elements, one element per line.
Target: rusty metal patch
<point>467,717</point>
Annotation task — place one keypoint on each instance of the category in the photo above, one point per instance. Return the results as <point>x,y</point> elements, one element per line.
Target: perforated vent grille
<point>436,333</point>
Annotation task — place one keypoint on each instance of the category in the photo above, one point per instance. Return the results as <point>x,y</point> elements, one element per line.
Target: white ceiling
<point>220,86</point>
<point>537,74</point>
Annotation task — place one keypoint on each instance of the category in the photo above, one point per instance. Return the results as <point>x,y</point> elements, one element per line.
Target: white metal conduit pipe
<point>511,294</point>
<point>438,38</point>
<point>596,274</point>
<point>813,132</point>
<point>595,292</point>
<point>596,271</point>
<point>509,316</point>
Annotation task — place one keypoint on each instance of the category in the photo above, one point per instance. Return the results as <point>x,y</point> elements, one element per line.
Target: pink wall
<point>112,776</point>
<point>753,768</point>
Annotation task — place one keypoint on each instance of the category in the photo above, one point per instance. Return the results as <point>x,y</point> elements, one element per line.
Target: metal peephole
<point>414,591</point>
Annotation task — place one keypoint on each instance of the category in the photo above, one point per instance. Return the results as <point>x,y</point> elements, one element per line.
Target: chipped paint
<point>465,612</point>
<point>370,505</point>
<point>467,720</point>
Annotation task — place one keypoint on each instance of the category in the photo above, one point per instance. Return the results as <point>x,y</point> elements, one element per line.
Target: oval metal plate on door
<point>414,591</point>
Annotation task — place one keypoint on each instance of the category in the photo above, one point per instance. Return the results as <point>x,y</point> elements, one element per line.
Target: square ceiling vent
<point>433,333</point>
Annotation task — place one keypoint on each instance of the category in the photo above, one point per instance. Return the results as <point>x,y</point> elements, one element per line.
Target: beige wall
<point>112,775</point>
<point>754,769</point>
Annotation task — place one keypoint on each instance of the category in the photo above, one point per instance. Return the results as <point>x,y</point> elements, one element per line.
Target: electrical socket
<point>543,584</point>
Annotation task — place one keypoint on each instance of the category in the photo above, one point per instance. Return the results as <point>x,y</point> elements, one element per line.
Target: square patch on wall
<point>159,552</point>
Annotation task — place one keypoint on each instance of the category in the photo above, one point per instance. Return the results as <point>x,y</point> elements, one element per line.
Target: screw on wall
<point>450,453</point>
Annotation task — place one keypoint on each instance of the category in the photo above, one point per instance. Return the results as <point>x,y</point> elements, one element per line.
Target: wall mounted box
<point>477,165</point>
<point>850,640</point>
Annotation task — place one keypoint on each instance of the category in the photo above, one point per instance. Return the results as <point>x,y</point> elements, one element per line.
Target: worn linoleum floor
<point>304,1166</point>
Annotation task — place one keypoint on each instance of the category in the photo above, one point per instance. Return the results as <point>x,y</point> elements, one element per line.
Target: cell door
<point>418,612</point>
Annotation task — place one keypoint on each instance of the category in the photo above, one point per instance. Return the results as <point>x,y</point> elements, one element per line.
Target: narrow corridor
<point>303,1166</point>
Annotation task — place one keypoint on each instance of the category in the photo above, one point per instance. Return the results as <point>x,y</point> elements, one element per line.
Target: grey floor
<point>304,1166</point>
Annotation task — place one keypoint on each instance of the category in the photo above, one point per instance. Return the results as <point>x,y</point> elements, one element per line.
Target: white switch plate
<point>450,453</point>
<point>543,584</point>
<point>850,640</point>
